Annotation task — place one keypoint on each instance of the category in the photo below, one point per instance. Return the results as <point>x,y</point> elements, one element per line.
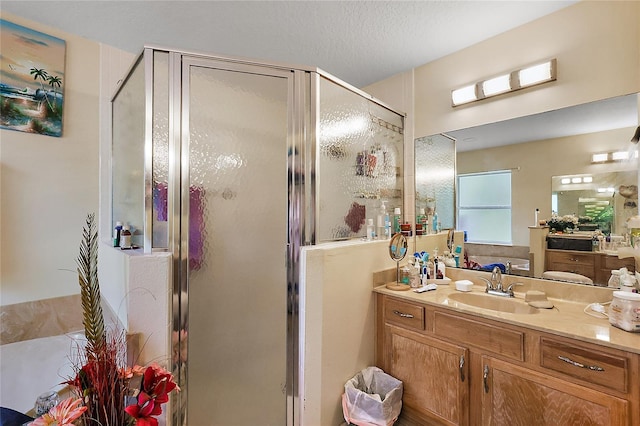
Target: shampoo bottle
<point>116,234</point>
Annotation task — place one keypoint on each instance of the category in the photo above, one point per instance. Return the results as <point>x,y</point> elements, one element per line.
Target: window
<point>484,211</point>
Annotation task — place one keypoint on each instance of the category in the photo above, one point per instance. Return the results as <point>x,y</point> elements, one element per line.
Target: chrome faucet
<point>494,286</point>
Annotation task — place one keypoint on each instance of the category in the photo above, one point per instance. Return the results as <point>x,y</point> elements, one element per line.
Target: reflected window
<point>484,211</point>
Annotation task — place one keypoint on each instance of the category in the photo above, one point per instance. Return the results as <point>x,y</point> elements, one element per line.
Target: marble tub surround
<point>40,318</point>
<point>496,250</point>
<point>566,319</point>
<point>47,317</point>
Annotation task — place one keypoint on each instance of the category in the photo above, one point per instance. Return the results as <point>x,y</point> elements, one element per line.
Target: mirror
<point>397,252</point>
<point>531,151</point>
<point>602,201</point>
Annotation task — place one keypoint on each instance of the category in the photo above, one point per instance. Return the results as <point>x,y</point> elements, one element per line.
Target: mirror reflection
<point>508,179</point>
<point>602,201</point>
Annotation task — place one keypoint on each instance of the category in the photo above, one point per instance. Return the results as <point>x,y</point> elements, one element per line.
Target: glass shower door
<point>237,143</point>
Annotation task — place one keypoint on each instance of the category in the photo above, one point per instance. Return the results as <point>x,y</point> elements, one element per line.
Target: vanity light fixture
<point>613,156</point>
<point>505,83</point>
<point>464,95</point>
<point>565,181</point>
<point>496,85</point>
<point>536,74</point>
<point>576,180</point>
<point>587,179</point>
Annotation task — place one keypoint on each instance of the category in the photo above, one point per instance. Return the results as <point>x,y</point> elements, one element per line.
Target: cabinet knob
<point>462,368</point>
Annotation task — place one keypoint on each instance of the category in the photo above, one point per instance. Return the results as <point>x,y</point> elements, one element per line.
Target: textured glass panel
<point>360,162</point>
<point>238,237</point>
<point>435,160</point>
<point>128,154</point>
<point>486,226</point>
<point>160,148</point>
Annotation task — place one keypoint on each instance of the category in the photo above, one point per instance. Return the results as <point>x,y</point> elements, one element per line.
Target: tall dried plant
<point>93,319</point>
<point>99,380</point>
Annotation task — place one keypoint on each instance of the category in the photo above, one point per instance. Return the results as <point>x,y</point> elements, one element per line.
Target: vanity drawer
<point>502,341</point>
<point>612,262</point>
<point>574,268</point>
<point>585,364</point>
<point>404,314</point>
<point>571,257</point>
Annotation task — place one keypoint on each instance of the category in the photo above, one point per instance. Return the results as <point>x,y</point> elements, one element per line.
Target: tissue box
<point>464,285</point>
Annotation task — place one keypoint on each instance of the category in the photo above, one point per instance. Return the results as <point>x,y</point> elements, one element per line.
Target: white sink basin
<point>491,302</point>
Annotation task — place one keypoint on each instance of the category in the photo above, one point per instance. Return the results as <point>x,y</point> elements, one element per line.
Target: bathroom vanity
<point>464,364</point>
<point>594,265</point>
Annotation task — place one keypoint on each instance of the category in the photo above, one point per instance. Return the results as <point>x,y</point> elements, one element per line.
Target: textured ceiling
<point>360,42</point>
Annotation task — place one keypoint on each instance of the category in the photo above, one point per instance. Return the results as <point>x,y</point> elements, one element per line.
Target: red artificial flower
<point>157,383</point>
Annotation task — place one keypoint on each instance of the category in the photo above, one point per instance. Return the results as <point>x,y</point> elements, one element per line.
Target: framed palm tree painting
<point>31,80</point>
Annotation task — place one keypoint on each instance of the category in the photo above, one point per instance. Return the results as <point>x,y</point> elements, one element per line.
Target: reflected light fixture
<point>505,83</point>
<point>606,157</point>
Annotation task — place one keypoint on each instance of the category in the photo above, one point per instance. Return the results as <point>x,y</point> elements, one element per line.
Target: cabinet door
<point>434,375</point>
<point>516,396</point>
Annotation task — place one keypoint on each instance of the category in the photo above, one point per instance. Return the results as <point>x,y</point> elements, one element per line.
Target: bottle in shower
<point>397,220</point>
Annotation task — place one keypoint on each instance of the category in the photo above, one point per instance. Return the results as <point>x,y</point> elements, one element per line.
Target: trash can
<point>372,398</point>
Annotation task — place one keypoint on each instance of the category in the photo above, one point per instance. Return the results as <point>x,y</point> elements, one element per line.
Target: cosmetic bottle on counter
<point>116,234</point>
<point>370,230</point>
<point>125,237</point>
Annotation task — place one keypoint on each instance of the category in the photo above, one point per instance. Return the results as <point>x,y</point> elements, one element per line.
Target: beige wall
<point>337,321</point>
<point>597,45</point>
<point>49,184</point>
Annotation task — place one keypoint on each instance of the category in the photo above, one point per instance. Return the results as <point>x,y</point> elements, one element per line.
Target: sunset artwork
<point>31,80</point>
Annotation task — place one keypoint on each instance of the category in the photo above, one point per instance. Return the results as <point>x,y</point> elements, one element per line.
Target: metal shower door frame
<point>301,146</point>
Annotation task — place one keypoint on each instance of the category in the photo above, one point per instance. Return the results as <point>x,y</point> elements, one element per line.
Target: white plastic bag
<point>372,398</point>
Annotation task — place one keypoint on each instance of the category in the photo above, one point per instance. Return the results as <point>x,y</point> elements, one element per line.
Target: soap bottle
<point>397,220</point>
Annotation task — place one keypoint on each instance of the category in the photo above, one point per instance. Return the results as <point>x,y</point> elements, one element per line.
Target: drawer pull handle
<point>485,379</point>
<point>577,364</point>
<point>402,314</point>
<point>462,368</point>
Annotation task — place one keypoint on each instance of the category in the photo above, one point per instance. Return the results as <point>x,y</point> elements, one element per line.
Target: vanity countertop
<point>567,318</point>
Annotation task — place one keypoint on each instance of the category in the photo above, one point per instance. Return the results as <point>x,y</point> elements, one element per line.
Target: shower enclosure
<point>219,161</point>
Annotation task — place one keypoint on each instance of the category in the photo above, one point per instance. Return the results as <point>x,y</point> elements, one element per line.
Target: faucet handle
<point>510,287</point>
<point>489,285</point>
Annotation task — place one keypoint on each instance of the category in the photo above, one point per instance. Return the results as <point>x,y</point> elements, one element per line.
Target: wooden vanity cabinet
<point>460,369</point>
<point>594,265</point>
